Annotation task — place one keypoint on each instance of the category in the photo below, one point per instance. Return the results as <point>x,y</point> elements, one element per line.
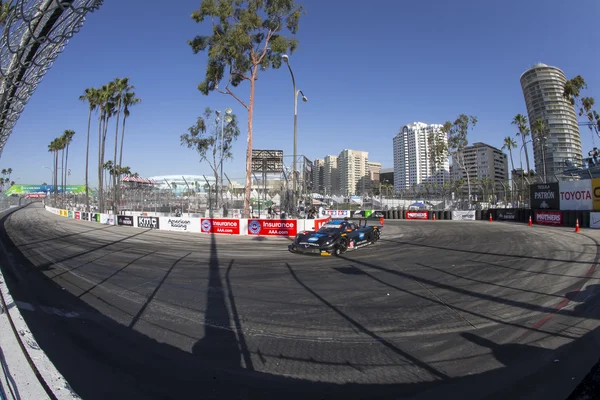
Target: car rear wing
<point>362,221</point>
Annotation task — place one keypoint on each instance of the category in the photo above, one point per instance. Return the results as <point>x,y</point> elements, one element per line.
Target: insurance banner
<point>273,227</point>
<point>220,225</point>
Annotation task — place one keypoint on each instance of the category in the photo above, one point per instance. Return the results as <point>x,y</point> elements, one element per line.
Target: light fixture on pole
<point>297,92</point>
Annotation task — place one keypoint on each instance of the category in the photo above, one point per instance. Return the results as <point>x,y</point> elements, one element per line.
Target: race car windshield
<point>330,226</point>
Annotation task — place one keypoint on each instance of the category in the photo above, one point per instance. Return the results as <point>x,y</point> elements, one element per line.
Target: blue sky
<point>366,72</point>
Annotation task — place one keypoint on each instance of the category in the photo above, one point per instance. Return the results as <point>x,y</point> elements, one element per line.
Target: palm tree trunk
<point>67,168</point>
<point>114,177</point>
<point>121,150</point>
<point>512,179</point>
<point>526,153</point>
<point>62,176</point>
<point>249,154</point>
<point>103,149</point>
<point>87,163</point>
<point>100,166</point>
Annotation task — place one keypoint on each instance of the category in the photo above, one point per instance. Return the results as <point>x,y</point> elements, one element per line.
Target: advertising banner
<point>64,213</point>
<point>596,193</point>
<point>338,213</point>
<point>126,220</point>
<point>180,224</point>
<point>85,216</point>
<point>320,222</point>
<point>506,215</point>
<point>576,195</point>
<point>220,225</point>
<point>553,218</point>
<point>96,217</point>
<point>107,219</point>
<point>77,215</point>
<point>544,196</point>
<point>463,215</point>
<point>595,220</point>
<point>148,222</point>
<point>70,214</point>
<point>273,227</point>
<point>417,215</point>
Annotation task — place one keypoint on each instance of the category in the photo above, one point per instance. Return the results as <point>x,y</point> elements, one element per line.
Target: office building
<point>331,177</point>
<point>387,176</point>
<point>352,167</point>
<point>483,162</point>
<point>543,88</point>
<point>318,176</point>
<point>413,163</point>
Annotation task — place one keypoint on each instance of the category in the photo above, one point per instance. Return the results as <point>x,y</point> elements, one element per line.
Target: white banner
<point>576,195</point>
<point>179,224</point>
<point>108,219</point>
<point>595,220</point>
<point>464,215</point>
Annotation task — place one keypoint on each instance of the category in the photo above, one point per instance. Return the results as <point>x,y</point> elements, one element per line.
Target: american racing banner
<point>220,225</point>
<point>545,196</point>
<point>273,227</point>
<point>576,195</point>
<point>126,220</point>
<point>180,224</point>
<point>506,215</point>
<point>417,215</point>
<point>553,218</point>
<point>464,215</point>
<point>148,222</point>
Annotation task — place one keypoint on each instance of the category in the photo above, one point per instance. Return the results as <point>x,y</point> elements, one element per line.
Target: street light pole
<point>296,93</point>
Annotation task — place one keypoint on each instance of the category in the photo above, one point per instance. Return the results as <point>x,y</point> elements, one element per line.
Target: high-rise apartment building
<point>543,88</point>
<point>483,162</point>
<point>331,177</point>
<point>352,166</point>
<point>319,175</point>
<point>412,156</point>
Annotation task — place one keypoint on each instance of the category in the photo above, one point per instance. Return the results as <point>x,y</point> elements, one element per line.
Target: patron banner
<point>273,227</point>
<point>506,215</point>
<point>576,195</point>
<point>417,215</point>
<point>126,220</point>
<point>464,215</point>
<point>220,225</point>
<point>548,218</point>
<point>544,196</point>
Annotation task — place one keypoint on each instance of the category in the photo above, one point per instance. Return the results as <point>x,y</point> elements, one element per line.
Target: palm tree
<point>9,172</point>
<point>521,122</point>
<point>129,100</point>
<point>510,144</point>
<point>539,129</point>
<point>68,138</point>
<point>120,87</point>
<point>5,8</point>
<point>90,96</point>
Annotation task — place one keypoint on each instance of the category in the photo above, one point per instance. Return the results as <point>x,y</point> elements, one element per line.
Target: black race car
<point>335,237</point>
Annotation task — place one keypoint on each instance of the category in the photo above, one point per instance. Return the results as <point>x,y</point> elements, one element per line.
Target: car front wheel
<point>342,246</point>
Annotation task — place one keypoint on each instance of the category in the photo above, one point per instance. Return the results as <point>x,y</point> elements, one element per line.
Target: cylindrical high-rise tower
<point>543,88</point>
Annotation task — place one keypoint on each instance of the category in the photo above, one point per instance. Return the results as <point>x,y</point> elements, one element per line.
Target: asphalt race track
<point>436,309</point>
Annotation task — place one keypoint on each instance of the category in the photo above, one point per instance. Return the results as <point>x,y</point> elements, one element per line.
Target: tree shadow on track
<point>103,359</point>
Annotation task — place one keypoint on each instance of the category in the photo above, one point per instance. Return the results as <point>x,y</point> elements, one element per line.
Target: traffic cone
<point>491,220</point>
<point>381,221</point>
<point>577,225</point>
<point>434,217</point>
<point>530,221</point>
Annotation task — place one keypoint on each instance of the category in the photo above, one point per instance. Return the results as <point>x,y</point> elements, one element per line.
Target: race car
<point>335,238</point>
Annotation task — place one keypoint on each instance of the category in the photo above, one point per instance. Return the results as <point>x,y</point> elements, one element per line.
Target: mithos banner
<point>220,225</point>
<point>548,218</point>
<point>576,195</point>
<point>545,196</point>
<point>272,227</point>
<point>417,215</point>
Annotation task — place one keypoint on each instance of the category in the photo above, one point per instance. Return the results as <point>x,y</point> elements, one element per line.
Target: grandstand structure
<point>34,33</point>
